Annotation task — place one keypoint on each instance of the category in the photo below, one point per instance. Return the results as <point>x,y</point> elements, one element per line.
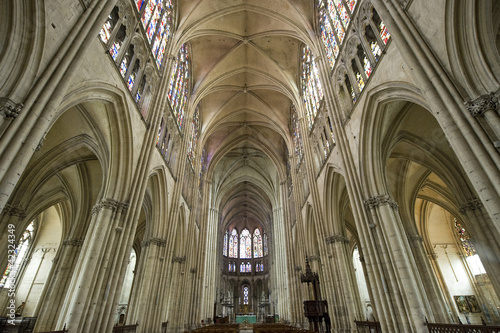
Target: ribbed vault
<point>245,65</point>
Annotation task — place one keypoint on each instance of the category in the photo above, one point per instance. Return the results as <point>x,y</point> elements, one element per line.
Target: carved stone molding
<point>298,268</point>
<point>193,270</point>
<point>160,242</point>
<point>414,237</point>
<point>482,104</point>
<point>404,3</point>
<point>361,259</point>
<point>9,108</point>
<point>314,258</point>
<point>180,260</point>
<point>383,199</point>
<point>336,238</point>
<point>472,204</point>
<point>111,204</point>
<point>14,211</point>
<point>77,242</point>
<point>432,256</point>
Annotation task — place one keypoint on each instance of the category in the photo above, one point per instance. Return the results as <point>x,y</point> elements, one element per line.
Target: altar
<point>250,319</point>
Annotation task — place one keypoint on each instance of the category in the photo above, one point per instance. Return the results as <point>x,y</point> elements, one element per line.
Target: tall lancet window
<point>334,18</point>
<point>17,252</point>
<point>178,90</point>
<point>224,249</point>
<point>246,294</point>
<point>297,137</point>
<point>156,17</point>
<point>257,244</point>
<point>193,139</point>
<point>233,244</point>
<point>469,250</point>
<point>245,244</point>
<point>312,91</point>
<point>266,251</point>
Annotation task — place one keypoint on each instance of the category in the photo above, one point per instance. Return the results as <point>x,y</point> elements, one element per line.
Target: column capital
<point>480,105</point>
<point>180,260</point>
<point>160,242</point>
<point>415,237</point>
<point>9,108</point>
<point>314,258</point>
<point>111,204</point>
<point>382,199</point>
<point>76,242</point>
<point>472,204</point>
<point>14,211</point>
<point>336,238</point>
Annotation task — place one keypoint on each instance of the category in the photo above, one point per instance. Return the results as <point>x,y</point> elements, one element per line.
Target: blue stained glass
<point>130,82</point>
<point>147,12</point>
<point>114,49</point>
<point>124,66</point>
<point>139,4</point>
<point>179,85</point>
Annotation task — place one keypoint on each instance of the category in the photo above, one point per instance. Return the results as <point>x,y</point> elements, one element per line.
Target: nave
<point>169,164</point>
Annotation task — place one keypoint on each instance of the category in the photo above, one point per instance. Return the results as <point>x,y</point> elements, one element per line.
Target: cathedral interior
<point>170,164</point>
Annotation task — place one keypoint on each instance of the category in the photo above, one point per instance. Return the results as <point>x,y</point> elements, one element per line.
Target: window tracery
<point>179,85</point>
<point>312,91</point>
<point>20,252</point>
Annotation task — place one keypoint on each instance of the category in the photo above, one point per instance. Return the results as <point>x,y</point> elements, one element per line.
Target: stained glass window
<point>139,4</point>
<point>157,22</point>
<point>126,61</point>
<point>233,244</point>
<point>193,139</point>
<point>464,237</point>
<point>257,244</point>
<point>132,76</point>
<point>359,78</point>
<point>117,44</point>
<point>384,33</point>
<point>179,85</point>
<point>248,267</point>
<point>243,268</point>
<point>367,66</point>
<point>266,252</point>
<point>245,244</point>
<point>375,50</point>
<point>334,19</point>
<point>312,91</point>
<point>107,28</point>
<point>20,252</point>
<point>328,37</point>
<point>246,293</point>
<point>224,249</point>
<point>140,92</point>
<point>297,137</point>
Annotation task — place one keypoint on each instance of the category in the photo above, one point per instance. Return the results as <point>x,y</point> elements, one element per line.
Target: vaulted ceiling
<point>245,66</point>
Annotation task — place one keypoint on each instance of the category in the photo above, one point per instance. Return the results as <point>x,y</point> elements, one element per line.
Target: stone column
<point>143,305</point>
<point>346,307</point>
<point>486,107</point>
<point>95,284</point>
<point>403,298</point>
<point>438,303</point>
<point>488,245</point>
<point>56,292</point>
